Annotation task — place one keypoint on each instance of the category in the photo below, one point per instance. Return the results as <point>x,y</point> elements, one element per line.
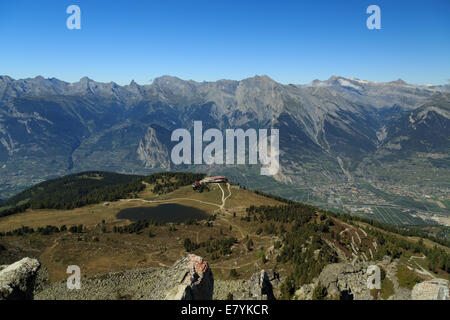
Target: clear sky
<point>290,41</point>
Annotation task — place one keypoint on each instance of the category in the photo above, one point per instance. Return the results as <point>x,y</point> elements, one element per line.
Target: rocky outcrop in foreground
<point>346,281</point>
<point>17,280</point>
<point>349,282</point>
<point>190,278</point>
<point>194,278</point>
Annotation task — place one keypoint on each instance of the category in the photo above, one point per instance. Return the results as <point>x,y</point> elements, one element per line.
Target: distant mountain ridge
<point>331,131</point>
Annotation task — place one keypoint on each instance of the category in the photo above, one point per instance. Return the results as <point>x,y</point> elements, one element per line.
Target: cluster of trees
<point>134,227</point>
<point>233,274</point>
<point>270,228</point>
<point>190,222</point>
<point>219,247</point>
<point>290,212</point>
<point>190,245</point>
<point>302,247</point>
<point>216,248</point>
<point>75,229</point>
<point>18,232</point>
<point>164,187</point>
<point>9,210</point>
<point>306,250</point>
<point>169,181</point>
<point>438,259</point>
<point>47,230</point>
<point>76,190</point>
<point>202,187</point>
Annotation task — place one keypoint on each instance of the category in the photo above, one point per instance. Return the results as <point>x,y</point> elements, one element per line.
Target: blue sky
<point>290,41</point>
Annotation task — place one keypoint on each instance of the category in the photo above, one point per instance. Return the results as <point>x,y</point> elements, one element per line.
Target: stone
<point>17,279</point>
<point>305,292</point>
<point>260,286</point>
<point>193,279</point>
<point>435,289</point>
<point>345,281</point>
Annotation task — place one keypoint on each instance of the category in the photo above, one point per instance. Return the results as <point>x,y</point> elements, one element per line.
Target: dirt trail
<point>243,235</point>
<point>421,270</point>
<point>417,257</point>
<point>220,206</point>
<point>151,259</point>
<point>171,200</point>
<point>237,266</point>
<point>224,199</point>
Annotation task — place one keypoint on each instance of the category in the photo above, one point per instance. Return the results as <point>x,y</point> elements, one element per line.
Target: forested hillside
<point>77,190</point>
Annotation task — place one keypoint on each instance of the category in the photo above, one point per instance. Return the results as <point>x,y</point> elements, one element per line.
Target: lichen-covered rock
<point>189,278</point>
<point>435,289</point>
<point>17,279</point>
<point>305,292</point>
<point>346,281</point>
<point>261,286</point>
<point>193,279</point>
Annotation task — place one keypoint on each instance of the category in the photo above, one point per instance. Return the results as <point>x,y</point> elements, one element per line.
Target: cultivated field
<point>393,216</point>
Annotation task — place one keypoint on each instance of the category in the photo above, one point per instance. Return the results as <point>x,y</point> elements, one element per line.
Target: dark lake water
<point>169,212</point>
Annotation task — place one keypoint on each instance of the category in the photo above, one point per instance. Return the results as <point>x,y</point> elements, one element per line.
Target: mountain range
<point>345,143</point>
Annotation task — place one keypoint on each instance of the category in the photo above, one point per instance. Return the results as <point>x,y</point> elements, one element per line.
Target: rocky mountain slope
<point>330,131</point>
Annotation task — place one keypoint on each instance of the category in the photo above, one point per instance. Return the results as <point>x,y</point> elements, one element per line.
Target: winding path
<point>222,206</point>
<point>171,200</point>
<point>421,270</point>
